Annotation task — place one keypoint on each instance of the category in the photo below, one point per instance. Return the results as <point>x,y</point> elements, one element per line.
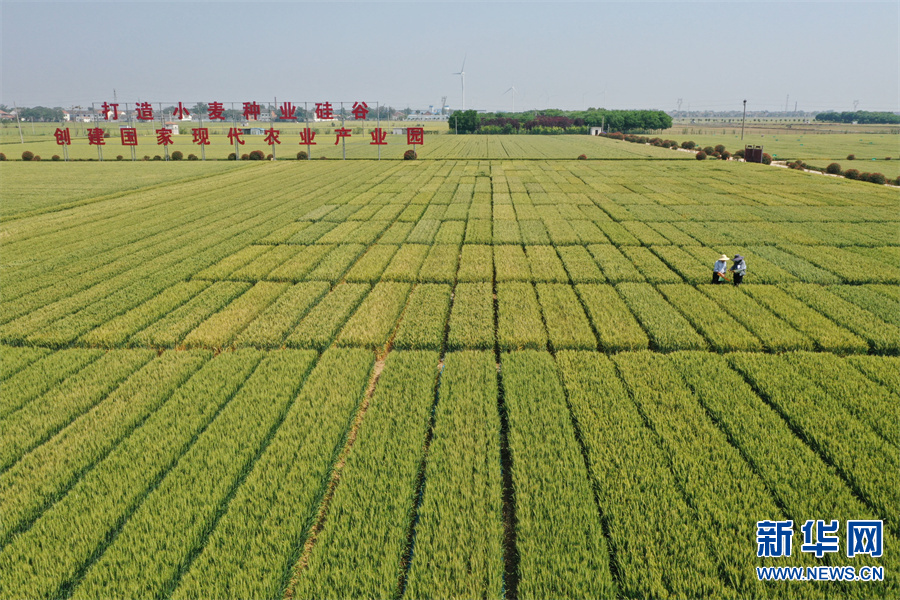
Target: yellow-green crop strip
<point>495,371</point>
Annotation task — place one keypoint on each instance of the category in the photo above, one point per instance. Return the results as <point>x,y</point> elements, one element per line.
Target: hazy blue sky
<point>712,55</point>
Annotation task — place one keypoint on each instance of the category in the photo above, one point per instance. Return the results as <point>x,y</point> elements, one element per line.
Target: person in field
<point>739,268</point>
<point>719,270</point>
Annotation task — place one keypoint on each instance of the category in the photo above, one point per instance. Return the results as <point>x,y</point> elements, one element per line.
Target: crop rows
<point>359,553</point>
<point>444,378</point>
<point>235,313</point>
<point>46,491</point>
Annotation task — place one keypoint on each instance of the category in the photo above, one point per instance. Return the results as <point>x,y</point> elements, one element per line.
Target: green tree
<point>464,121</point>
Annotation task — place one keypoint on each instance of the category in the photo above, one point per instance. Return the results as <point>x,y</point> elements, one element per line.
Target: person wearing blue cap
<point>739,268</point>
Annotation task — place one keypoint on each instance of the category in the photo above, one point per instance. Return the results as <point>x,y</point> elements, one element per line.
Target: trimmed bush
<point>720,148</point>
<point>192,157</point>
<point>709,150</point>
<point>877,178</point>
<point>851,174</point>
<point>688,145</point>
<point>302,155</point>
<point>55,157</point>
<point>120,157</point>
<point>177,155</point>
<point>410,155</point>
<point>701,155</point>
<point>2,156</point>
<point>28,155</point>
<point>582,157</point>
<point>257,155</point>
<point>766,159</point>
<point>36,157</point>
<point>146,157</point>
<point>726,155</point>
<point>157,157</point>
<point>739,154</point>
<point>833,168</point>
<point>851,157</point>
<point>270,156</point>
<point>245,156</point>
<point>232,156</point>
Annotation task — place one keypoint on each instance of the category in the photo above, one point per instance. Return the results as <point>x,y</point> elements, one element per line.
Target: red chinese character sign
<point>181,112</point>
<point>164,139</point>
<point>360,110</point>
<point>64,139</point>
<point>216,111</point>
<point>272,138</point>
<point>251,111</point>
<point>106,109</point>
<point>234,136</point>
<point>324,111</point>
<point>415,135</point>
<point>341,133</point>
<point>143,111</point>
<point>378,137</point>
<point>307,136</point>
<point>95,138</point>
<point>129,136</point>
<point>201,136</point>
<point>288,112</point>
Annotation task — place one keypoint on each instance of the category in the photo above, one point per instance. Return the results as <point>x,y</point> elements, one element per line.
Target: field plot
<point>474,375</point>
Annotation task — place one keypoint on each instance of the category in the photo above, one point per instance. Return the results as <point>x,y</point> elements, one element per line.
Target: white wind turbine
<point>513,90</point>
<point>462,79</point>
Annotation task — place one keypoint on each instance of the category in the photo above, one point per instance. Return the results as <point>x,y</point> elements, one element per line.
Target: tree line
<point>859,116</point>
<point>554,121</point>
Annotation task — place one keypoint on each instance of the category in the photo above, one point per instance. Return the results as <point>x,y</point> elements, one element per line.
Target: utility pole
<point>18,122</point>
<point>744,118</point>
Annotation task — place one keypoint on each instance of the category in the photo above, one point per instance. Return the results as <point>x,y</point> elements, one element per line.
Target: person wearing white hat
<point>719,270</point>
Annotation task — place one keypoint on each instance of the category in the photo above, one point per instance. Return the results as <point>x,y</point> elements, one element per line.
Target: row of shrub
<point>835,169</point>
<point>641,139</point>
<point>717,152</point>
<point>853,157</point>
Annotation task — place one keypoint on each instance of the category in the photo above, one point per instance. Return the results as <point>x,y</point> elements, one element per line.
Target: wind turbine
<point>513,90</point>
<point>462,79</point>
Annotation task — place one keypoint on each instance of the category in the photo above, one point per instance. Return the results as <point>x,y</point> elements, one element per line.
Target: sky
<point>569,55</point>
